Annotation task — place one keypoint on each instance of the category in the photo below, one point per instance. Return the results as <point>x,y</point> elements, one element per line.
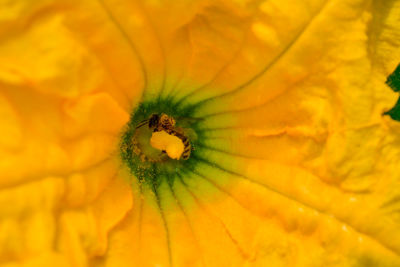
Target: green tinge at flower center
<point>155,154</point>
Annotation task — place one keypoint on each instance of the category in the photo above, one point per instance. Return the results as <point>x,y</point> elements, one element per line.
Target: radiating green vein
<point>296,200</point>
<point>272,63</point>
<point>128,40</point>
<point>224,227</point>
<point>168,237</point>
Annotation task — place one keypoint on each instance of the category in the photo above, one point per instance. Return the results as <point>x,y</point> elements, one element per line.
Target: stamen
<point>170,143</point>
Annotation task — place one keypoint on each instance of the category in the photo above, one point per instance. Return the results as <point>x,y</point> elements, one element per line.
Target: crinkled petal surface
<point>297,164</point>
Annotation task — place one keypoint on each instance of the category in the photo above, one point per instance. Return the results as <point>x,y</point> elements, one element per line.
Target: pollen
<point>171,144</point>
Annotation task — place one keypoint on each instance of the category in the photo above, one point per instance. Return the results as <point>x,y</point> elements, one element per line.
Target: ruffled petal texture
<point>296,162</point>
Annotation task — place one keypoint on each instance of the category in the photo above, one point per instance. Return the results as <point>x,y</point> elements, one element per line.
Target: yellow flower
<point>293,161</point>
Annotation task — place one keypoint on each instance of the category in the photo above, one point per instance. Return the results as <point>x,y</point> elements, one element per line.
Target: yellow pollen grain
<point>171,144</point>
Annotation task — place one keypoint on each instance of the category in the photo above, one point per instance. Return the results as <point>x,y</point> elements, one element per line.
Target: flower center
<point>158,137</point>
<point>160,140</point>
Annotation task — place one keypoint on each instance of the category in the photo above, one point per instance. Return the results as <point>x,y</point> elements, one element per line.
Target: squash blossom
<point>199,133</point>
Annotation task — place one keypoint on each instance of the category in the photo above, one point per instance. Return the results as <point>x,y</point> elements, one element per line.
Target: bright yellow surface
<point>317,178</point>
<point>170,143</point>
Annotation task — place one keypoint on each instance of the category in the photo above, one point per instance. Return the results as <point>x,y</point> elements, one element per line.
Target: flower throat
<point>161,141</point>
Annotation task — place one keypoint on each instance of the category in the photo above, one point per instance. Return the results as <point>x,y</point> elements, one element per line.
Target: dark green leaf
<point>393,81</point>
